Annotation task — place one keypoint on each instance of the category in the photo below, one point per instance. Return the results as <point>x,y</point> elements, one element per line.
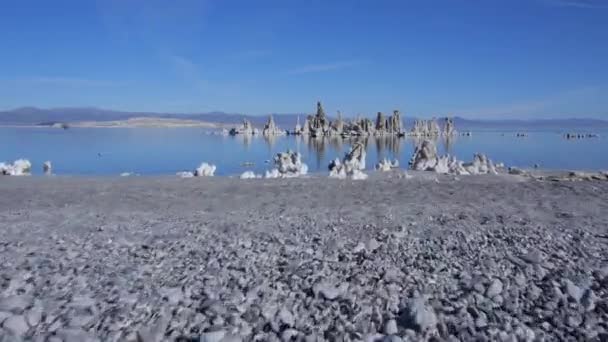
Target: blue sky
<point>474,58</point>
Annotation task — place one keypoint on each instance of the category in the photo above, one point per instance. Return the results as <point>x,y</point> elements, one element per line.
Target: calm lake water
<point>164,151</point>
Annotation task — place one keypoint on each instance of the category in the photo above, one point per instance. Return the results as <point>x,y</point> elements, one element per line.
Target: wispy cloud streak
<point>591,4</point>
<point>307,69</point>
<point>65,82</point>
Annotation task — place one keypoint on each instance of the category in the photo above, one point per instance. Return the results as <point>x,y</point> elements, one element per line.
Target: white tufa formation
<point>21,167</point>
<point>246,129</point>
<point>270,128</point>
<point>205,170</point>
<point>249,175</point>
<point>353,163</point>
<point>425,158</point>
<point>386,165</point>
<point>288,164</point>
<point>47,167</point>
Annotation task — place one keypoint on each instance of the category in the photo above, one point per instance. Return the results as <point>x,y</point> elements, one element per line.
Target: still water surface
<point>164,151</point>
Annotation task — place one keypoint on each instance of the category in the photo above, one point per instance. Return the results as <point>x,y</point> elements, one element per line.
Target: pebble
<point>418,315</point>
<point>494,289</point>
<point>15,304</point>
<point>390,327</point>
<point>16,325</point>
<point>286,317</point>
<point>213,336</point>
<point>573,291</point>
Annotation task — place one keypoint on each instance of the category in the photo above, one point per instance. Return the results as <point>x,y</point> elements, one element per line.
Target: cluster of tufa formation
<point>20,167</point>
<point>352,164</point>
<point>288,165</point>
<point>425,128</point>
<point>245,129</point>
<point>386,165</point>
<point>204,170</point>
<point>449,128</point>
<point>319,125</point>
<point>47,168</point>
<point>270,128</point>
<point>425,158</point>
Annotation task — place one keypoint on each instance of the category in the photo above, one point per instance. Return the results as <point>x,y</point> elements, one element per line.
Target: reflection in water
<point>270,139</point>
<point>448,143</point>
<point>390,144</point>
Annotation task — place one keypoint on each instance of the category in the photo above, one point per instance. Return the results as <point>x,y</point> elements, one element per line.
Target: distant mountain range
<point>28,116</point>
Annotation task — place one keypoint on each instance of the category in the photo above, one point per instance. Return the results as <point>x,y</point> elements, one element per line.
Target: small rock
<point>533,257</point>
<point>15,304</point>
<point>494,289</point>
<point>418,315</point>
<point>16,325</point>
<point>213,336</point>
<point>520,279</point>
<point>288,335</point>
<point>390,327</point>
<point>155,332</point>
<point>573,291</point>
<point>372,245</point>
<point>481,322</point>
<point>360,247</point>
<point>286,317</point>
<point>588,300</point>
<point>329,291</point>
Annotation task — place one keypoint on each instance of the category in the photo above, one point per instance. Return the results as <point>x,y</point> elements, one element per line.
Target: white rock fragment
<point>205,170</point>
<point>47,167</point>
<point>352,164</point>
<point>329,291</point>
<point>419,316</point>
<point>425,158</point>
<point>287,165</point>
<point>185,174</point>
<point>249,175</point>
<point>494,289</point>
<point>359,175</point>
<point>386,165</point>
<point>16,325</point>
<point>286,317</point>
<point>20,167</point>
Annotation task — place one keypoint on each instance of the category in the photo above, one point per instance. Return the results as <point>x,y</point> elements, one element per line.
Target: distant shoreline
<point>142,122</point>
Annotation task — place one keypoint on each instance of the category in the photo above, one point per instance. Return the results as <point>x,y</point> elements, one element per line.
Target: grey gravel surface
<point>487,258</point>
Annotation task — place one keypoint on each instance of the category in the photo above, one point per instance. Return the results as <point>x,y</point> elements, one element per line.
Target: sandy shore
<point>219,259</point>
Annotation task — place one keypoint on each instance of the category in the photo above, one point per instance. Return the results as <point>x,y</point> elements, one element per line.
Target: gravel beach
<point>496,257</point>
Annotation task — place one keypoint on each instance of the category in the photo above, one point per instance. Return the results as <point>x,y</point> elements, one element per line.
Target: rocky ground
<point>498,258</point>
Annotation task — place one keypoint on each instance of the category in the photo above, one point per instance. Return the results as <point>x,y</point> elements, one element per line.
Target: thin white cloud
<point>591,4</point>
<point>65,82</point>
<point>307,69</point>
<point>566,102</point>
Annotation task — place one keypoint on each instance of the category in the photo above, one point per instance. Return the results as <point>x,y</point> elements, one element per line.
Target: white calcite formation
<point>185,174</point>
<point>245,129</point>
<point>205,170</point>
<point>352,165</point>
<point>270,128</point>
<point>425,158</point>
<point>425,128</point>
<point>249,175</point>
<point>287,165</point>
<point>386,165</point>
<point>20,167</point>
<point>47,167</point>
<point>449,128</point>
<point>319,125</point>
